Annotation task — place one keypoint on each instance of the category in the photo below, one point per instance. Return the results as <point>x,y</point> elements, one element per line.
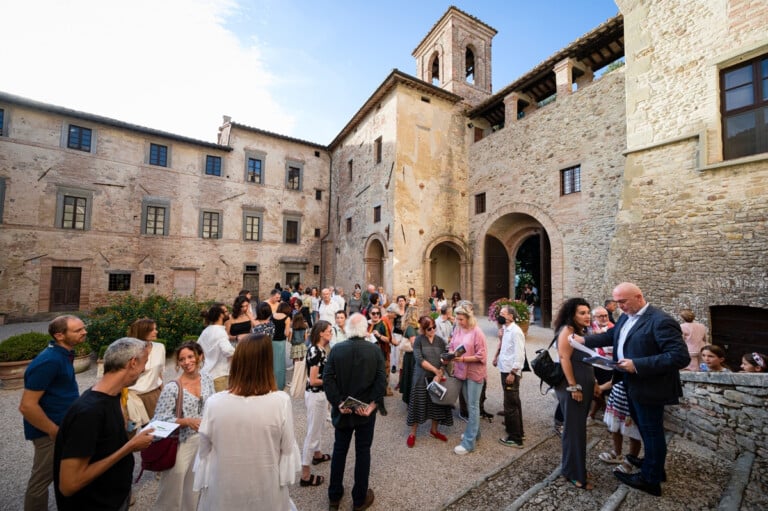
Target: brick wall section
<point>725,412</point>
<point>518,168</point>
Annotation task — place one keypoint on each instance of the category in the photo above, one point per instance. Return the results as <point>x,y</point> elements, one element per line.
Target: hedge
<point>24,346</point>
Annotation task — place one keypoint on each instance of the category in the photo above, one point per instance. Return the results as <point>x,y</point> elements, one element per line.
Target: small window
<point>744,104</point>
<point>349,224</point>
<point>213,165</point>
<point>376,214</point>
<point>318,195</point>
<point>149,278</point>
<point>377,150</point>
<point>349,168</point>
<point>2,197</point>
<point>79,138</point>
<point>480,203</point>
<point>478,134</point>
<point>254,169</point>
<point>119,281</point>
<point>2,122</point>
<point>317,233</point>
<point>155,223</point>
<point>434,76</point>
<point>293,179</point>
<point>469,66</point>
<point>251,227</point>
<point>316,270</point>
<point>292,231</point>
<point>425,99</point>
<point>251,268</point>
<point>158,155</point>
<point>570,180</point>
<point>210,225</point>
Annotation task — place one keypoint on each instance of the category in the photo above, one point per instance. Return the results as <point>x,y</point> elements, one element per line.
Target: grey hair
<point>466,304</point>
<point>512,312</point>
<point>357,325</point>
<point>120,352</point>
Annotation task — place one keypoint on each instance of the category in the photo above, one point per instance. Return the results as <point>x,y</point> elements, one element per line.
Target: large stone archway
<point>510,230</point>
<point>446,263</point>
<point>375,255</point>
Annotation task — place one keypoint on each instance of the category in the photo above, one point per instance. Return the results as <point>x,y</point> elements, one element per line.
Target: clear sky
<point>297,67</point>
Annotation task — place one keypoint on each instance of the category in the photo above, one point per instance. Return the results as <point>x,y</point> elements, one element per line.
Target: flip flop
<point>581,486</point>
<point>322,459</point>
<point>314,480</point>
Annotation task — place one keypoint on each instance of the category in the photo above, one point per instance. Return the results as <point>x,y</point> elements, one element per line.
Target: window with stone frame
<point>291,230</point>
<point>318,195</point>
<point>570,180</point>
<point>2,122</point>
<point>158,155</point>
<point>73,208</point>
<point>293,176</point>
<point>376,214</point>
<point>213,165</point>
<point>254,167</point>
<point>349,168</point>
<point>119,282</point>
<point>210,224</point>
<point>252,226</point>
<point>2,197</point>
<point>155,214</point>
<point>377,156</point>
<point>744,108</point>
<point>79,138</point>
<point>349,224</point>
<point>480,203</point>
<point>469,62</point>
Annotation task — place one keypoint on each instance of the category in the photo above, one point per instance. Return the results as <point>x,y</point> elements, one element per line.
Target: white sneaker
<point>460,450</point>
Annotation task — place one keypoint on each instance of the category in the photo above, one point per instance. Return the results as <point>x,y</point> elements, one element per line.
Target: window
<point>158,155</point>
<point>2,122</point>
<point>149,278</point>
<point>212,165</point>
<point>349,224</point>
<point>291,230</point>
<point>469,70</point>
<point>376,214</point>
<point>79,138</point>
<point>210,224</point>
<point>349,168</point>
<point>119,281</point>
<point>744,100</point>
<point>317,233</point>
<point>252,226</point>
<point>253,173</point>
<point>293,180</point>
<point>2,197</point>
<point>316,269</point>
<point>377,150</point>
<point>480,203</point>
<point>434,77</point>
<point>318,195</point>
<point>155,212</point>
<point>292,279</point>
<point>570,180</point>
<point>73,208</point>
<point>251,268</point>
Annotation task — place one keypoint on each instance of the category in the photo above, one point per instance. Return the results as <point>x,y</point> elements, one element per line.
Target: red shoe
<point>439,436</point>
<point>411,440</point>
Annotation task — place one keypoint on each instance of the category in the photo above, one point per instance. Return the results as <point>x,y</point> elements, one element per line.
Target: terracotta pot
<point>82,363</point>
<point>12,374</point>
<point>524,326</point>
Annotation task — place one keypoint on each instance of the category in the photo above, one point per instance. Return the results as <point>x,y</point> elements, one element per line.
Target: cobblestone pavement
<point>431,476</point>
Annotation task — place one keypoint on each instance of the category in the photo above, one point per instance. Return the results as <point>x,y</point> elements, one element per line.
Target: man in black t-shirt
<point>92,461</point>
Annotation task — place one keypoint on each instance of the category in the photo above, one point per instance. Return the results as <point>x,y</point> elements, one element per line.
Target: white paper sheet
<point>162,428</point>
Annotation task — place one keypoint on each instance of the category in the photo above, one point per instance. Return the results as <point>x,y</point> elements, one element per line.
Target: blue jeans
<point>363,440</point>
<point>471,391</point>
<point>650,422</point>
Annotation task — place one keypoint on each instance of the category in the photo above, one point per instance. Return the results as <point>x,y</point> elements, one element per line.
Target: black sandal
<point>321,459</point>
<point>314,480</point>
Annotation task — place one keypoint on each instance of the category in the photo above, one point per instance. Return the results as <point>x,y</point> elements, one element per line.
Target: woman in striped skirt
<point>620,424</point>
<point>426,352</point>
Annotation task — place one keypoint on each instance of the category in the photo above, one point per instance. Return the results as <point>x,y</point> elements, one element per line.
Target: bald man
<point>648,345</point>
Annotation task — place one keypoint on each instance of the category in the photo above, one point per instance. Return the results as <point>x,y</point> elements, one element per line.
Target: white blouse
<point>152,377</point>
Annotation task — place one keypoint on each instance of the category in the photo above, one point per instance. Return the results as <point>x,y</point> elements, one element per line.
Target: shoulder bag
<point>548,370</point>
<point>161,454</point>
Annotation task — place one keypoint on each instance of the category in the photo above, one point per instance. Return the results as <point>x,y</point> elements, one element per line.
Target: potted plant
<point>519,307</point>
<point>82,357</point>
<point>16,353</point>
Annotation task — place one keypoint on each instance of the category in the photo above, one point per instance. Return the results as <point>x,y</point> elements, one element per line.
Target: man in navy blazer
<point>648,345</point>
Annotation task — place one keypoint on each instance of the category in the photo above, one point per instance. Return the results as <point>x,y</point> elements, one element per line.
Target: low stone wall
<point>726,412</point>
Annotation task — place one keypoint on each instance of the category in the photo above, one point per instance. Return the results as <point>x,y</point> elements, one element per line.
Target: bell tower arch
<point>456,56</point>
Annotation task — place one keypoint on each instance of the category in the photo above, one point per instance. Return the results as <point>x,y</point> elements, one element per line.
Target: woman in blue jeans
<point>470,368</point>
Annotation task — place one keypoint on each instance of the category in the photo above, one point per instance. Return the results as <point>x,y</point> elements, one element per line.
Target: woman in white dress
<point>150,383</point>
<point>248,454</point>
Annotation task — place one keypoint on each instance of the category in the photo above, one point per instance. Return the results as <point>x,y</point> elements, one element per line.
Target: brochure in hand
<point>162,428</point>
<point>353,404</point>
<point>435,388</point>
<point>603,363</point>
<point>450,356</point>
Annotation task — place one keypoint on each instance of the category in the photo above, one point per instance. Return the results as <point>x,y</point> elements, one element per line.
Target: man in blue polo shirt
<point>49,390</point>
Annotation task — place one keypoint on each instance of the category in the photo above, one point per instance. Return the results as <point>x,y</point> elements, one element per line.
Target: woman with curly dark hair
<point>574,393</point>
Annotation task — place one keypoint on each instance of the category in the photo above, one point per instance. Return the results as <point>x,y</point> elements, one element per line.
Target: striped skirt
<point>421,408</point>
<point>617,416</point>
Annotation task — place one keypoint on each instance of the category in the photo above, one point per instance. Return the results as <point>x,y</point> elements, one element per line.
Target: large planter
<point>12,374</point>
<point>82,363</point>
<point>524,326</point>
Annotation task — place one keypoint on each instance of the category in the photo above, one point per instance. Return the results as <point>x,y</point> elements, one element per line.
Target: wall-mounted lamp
<point>470,125</point>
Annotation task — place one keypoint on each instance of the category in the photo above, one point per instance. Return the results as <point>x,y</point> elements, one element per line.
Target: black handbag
<point>548,370</point>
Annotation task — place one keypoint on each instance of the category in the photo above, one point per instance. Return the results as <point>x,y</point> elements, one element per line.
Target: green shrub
<point>175,317</point>
<point>23,346</point>
<point>84,348</point>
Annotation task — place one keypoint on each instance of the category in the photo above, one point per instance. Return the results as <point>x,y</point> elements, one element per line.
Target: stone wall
<point>726,412</point>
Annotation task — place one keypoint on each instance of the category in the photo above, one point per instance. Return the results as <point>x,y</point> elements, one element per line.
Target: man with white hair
<point>92,460</point>
<point>355,369</point>
<point>328,306</point>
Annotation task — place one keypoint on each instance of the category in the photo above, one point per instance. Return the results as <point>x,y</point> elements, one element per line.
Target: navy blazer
<point>356,368</point>
<point>655,344</point>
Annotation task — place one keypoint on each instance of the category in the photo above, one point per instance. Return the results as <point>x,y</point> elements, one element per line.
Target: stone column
<point>511,102</point>
<point>564,77</point>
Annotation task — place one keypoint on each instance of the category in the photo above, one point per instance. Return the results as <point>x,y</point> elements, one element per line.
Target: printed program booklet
<point>162,428</point>
<point>353,404</point>
<point>594,358</point>
<point>435,388</point>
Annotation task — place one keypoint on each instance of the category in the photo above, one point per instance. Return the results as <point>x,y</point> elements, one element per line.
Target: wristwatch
<point>573,388</point>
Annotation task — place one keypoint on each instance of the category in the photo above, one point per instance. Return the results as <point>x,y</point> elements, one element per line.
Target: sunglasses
<point>375,313</point>
<point>430,328</point>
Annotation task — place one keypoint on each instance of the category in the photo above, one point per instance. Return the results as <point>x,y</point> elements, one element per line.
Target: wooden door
<point>65,289</point>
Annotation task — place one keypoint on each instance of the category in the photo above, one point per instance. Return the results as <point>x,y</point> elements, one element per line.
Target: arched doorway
<point>445,268</point>
<point>496,270</point>
<point>532,264</point>
<point>374,263</point>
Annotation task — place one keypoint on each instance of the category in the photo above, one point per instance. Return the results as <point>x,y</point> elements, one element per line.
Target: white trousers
<point>317,409</point>
<point>175,490</point>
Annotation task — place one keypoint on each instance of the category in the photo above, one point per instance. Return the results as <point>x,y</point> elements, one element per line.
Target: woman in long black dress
<point>426,353</point>
<point>575,392</point>
<point>242,321</point>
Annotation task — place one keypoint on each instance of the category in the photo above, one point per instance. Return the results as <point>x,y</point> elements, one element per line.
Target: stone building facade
<point>636,174</point>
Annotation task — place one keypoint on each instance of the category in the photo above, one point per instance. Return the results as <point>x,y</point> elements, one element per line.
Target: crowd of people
<point>236,442</point>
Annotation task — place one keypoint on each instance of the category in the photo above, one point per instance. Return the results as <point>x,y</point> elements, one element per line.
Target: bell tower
<point>456,56</point>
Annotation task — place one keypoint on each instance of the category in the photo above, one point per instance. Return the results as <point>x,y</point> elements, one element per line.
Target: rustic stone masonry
<point>726,412</point>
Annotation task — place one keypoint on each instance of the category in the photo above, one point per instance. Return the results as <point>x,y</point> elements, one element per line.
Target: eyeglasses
<point>430,328</point>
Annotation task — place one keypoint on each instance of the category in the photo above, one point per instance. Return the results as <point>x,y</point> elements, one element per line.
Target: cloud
<point>169,64</point>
